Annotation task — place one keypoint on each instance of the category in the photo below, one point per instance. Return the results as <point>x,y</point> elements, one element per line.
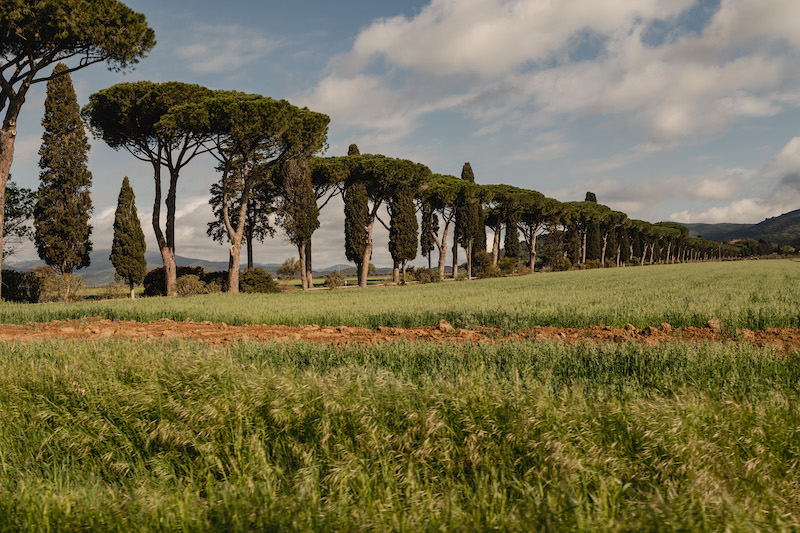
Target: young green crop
<point>745,294</point>
<point>119,435</point>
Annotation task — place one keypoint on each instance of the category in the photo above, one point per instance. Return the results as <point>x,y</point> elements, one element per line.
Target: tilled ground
<point>99,328</point>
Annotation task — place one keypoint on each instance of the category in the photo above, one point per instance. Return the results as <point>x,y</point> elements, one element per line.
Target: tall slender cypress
<point>356,218</point>
<point>128,247</point>
<point>61,215</point>
<point>403,230</point>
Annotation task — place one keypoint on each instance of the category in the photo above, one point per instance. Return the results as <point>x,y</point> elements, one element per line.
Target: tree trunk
<point>301,250</point>
<point>468,250</point>
<point>583,251</point>
<point>171,272</point>
<point>133,293</point>
<point>603,253</point>
<point>233,268</point>
<point>442,247</point>
<point>7,136</point>
<point>455,259</point>
<point>496,246</point>
<point>532,248</point>
<point>249,244</point>
<point>364,270</point>
<point>396,271</point>
<point>309,275</point>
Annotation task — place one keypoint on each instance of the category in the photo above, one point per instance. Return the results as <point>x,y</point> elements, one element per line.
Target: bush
<point>591,263</point>
<point>190,285</point>
<point>44,283</point>
<point>258,280</point>
<point>155,281</point>
<point>635,261</point>
<point>334,280</point>
<point>216,281</point>
<point>21,286</point>
<point>70,287</point>
<point>560,264</point>
<point>426,275</point>
<point>507,265</point>
<point>482,266</point>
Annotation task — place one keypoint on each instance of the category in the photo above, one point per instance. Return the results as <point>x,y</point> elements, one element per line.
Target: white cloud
<point>512,63</point>
<point>225,48</point>
<point>747,210</point>
<point>789,157</point>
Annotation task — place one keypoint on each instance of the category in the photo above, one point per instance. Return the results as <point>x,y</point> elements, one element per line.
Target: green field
<point>178,436</point>
<point>744,294</point>
<point>122,435</point>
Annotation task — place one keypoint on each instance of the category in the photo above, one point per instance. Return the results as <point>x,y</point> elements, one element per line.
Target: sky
<point>683,110</point>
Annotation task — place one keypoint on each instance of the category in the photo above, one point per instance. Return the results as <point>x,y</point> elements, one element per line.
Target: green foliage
<point>63,206</point>
<point>403,227</point>
<point>257,280</point>
<point>513,436</point>
<point>20,287</point>
<point>508,265</point>
<point>128,247</point>
<point>426,275</point>
<point>356,218</point>
<point>191,285</point>
<point>155,281</point>
<point>48,31</point>
<point>298,213</point>
<point>18,210</point>
<point>334,280</point>
<point>482,266</point>
<point>289,269</point>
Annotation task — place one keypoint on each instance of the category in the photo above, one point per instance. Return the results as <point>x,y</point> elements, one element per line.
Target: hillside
<point>780,230</point>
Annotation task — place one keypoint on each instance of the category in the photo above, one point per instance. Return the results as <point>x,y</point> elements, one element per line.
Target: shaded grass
<point>745,294</point>
<point>119,435</point>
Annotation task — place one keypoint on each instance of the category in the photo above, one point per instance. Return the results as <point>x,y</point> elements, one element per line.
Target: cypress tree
<point>127,250</point>
<point>356,218</point>
<point>298,211</point>
<point>594,242</point>
<point>430,225</point>
<point>511,242</point>
<point>403,229</point>
<point>469,219</point>
<point>61,215</point>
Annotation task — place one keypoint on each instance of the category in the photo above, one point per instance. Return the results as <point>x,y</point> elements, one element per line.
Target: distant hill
<point>780,230</point>
<point>714,232</point>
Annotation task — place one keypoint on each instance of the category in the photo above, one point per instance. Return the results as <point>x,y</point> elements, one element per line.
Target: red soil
<point>98,328</point>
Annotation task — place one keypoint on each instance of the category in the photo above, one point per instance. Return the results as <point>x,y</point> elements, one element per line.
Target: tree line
<point>265,151</point>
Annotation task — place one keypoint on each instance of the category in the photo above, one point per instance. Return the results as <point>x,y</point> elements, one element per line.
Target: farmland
<point>178,434</point>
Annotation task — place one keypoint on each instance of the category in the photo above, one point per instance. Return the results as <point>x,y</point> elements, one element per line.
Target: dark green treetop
<point>61,215</point>
<point>128,247</point>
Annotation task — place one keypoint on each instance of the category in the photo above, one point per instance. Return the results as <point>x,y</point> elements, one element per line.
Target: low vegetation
<point>180,436</point>
<point>746,294</point>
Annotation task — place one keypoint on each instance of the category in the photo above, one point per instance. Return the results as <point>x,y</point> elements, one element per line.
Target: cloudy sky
<point>685,110</point>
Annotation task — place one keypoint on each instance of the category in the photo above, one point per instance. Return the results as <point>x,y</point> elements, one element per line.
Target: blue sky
<point>684,110</point>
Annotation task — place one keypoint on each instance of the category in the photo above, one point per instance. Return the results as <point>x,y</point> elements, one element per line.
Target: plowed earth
<point>785,339</point>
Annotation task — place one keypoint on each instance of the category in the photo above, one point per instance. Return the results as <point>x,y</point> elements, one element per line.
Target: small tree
<point>298,213</point>
<point>128,247</point>
<point>18,212</point>
<point>403,229</point>
<point>61,215</point>
<point>289,269</point>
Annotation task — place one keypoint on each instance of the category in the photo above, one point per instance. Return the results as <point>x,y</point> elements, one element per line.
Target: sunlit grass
<point>119,435</point>
<point>746,294</point>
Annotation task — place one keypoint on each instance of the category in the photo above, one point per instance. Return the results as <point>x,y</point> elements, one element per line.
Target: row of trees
<point>264,150</point>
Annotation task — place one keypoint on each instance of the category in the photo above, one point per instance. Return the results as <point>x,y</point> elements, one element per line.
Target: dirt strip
<point>217,333</point>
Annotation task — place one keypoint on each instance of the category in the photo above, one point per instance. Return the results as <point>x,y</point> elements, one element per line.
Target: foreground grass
<point>180,436</point>
<point>746,294</point>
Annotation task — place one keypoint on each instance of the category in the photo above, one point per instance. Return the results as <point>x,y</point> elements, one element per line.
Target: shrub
<point>44,284</point>
<point>155,281</point>
<point>426,275</point>
<point>507,265</point>
<point>635,261</point>
<point>70,287</point>
<point>253,280</point>
<point>190,285</point>
<point>560,264</point>
<point>482,266</point>
<point>592,263</point>
<point>20,286</point>
<point>334,280</point>
<point>216,281</point>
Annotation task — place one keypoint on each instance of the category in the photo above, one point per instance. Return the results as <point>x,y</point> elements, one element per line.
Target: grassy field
<point>125,436</point>
<point>746,294</point>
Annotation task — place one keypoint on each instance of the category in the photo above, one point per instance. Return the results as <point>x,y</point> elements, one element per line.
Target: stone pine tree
<point>403,230</point>
<point>356,217</point>
<point>61,215</point>
<point>128,247</point>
